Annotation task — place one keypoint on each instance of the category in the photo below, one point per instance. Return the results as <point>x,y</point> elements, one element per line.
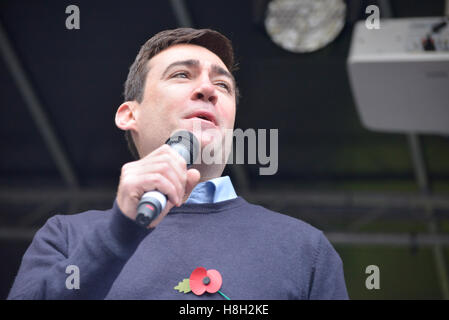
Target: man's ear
<point>125,116</point>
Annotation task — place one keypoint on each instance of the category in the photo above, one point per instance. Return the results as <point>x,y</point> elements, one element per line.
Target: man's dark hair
<point>207,38</point>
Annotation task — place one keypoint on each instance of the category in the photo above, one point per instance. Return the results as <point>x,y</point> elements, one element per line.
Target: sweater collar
<point>203,208</point>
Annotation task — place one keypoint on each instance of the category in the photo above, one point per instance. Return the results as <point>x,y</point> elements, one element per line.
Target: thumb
<point>193,177</point>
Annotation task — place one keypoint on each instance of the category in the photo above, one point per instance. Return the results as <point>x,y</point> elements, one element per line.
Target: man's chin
<point>204,131</point>
<point>211,139</point>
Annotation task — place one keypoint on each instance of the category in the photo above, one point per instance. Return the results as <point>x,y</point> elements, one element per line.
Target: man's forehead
<point>185,52</point>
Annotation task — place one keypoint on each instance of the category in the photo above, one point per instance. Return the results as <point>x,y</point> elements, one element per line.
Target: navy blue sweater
<point>259,253</point>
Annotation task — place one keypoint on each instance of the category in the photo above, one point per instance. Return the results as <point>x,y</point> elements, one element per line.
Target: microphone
<point>153,202</point>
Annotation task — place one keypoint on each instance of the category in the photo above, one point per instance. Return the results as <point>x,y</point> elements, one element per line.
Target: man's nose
<point>206,92</point>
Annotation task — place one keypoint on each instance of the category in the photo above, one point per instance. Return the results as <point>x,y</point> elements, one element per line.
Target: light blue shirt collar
<point>212,191</point>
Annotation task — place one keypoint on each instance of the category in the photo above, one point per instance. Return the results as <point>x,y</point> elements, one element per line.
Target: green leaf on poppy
<point>183,286</point>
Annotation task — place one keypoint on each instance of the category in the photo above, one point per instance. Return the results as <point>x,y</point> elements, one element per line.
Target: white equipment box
<point>399,75</point>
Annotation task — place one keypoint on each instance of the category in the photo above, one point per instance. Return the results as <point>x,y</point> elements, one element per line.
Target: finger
<point>178,179</point>
<point>147,165</point>
<point>166,149</point>
<point>176,164</point>
<point>159,182</point>
<point>193,178</point>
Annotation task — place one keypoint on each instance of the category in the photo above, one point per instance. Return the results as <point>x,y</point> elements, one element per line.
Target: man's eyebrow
<point>187,63</point>
<point>223,72</point>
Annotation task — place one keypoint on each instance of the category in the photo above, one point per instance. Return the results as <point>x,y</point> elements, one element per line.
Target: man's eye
<point>224,85</point>
<point>181,74</point>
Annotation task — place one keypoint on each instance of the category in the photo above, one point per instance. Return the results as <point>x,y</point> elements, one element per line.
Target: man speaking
<point>207,242</point>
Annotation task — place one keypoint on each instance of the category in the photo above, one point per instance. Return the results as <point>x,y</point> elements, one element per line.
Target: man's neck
<point>209,172</point>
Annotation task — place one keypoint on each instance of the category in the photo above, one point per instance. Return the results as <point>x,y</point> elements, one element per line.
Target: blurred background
<point>380,196</point>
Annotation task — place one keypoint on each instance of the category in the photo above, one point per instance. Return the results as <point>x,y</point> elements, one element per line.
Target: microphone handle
<point>150,206</point>
<point>153,202</point>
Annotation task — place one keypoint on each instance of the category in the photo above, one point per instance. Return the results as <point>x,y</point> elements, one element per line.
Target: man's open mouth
<point>203,115</point>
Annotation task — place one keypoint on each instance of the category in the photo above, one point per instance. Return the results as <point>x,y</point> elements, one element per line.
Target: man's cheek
<point>229,116</point>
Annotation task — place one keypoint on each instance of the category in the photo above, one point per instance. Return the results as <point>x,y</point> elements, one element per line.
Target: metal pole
<point>181,13</point>
<point>423,183</point>
<point>421,177</point>
<point>386,239</point>
<point>36,110</point>
<point>296,199</point>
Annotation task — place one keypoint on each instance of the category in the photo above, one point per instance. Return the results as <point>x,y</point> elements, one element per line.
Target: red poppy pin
<point>200,281</point>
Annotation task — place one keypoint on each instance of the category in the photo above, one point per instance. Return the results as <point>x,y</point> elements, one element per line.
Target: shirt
<point>213,191</point>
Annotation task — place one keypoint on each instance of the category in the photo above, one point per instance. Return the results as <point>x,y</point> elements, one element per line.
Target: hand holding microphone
<point>161,176</point>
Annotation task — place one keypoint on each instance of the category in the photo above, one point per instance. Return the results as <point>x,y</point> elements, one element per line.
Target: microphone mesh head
<point>186,144</point>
